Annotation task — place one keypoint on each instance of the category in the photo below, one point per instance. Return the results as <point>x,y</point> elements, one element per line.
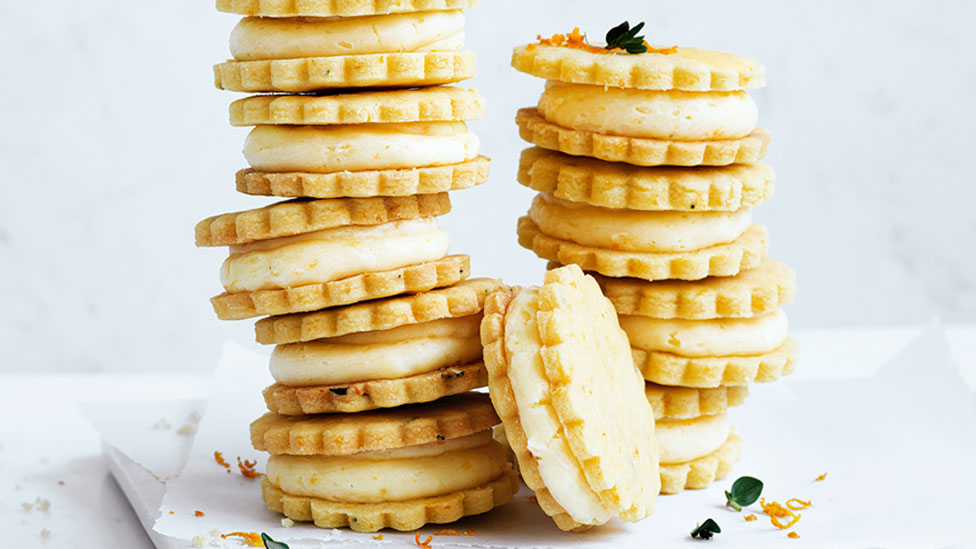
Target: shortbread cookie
<point>304,216</point>
<point>345,434</point>
<point>336,8</point>
<point>685,69</point>
<point>699,473</point>
<point>437,103</point>
<point>361,184</point>
<point>382,393</point>
<point>706,372</point>
<point>687,402</point>
<point>399,515</point>
<point>746,252</point>
<point>622,186</point>
<point>372,285</point>
<point>641,151</point>
<point>463,299</point>
<point>347,71</point>
<point>560,380</point>
<point>750,293</point>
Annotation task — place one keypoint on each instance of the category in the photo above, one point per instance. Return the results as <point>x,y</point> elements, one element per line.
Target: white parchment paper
<point>898,448</point>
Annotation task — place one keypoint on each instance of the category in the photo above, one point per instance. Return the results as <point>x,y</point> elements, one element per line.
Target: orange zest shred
<point>793,535</point>
<point>247,468</point>
<point>219,458</point>
<point>426,543</point>
<point>797,504</point>
<point>750,518</point>
<point>447,532</point>
<point>776,512</point>
<point>251,538</point>
<point>469,533</point>
<point>378,537</point>
<point>577,40</point>
<point>198,513</point>
<point>821,477</point>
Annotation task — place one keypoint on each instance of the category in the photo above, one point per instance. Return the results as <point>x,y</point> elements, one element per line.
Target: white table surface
<point>48,450</point>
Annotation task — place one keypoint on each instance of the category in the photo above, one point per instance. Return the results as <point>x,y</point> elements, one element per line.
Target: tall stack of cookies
<point>376,327</point>
<point>648,165</point>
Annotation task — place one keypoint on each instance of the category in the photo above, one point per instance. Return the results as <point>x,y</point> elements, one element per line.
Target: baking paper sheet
<point>898,449</point>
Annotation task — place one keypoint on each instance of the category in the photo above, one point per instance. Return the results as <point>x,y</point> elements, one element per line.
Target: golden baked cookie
<point>616,185</point>
<point>686,69</point>
<point>462,299</point>
<point>336,8</point>
<point>432,104</point>
<point>368,183</point>
<point>719,371</point>
<point>294,217</point>
<point>641,151</point>
<point>699,473</point>
<point>560,379</point>
<point>744,253</point>
<point>406,69</point>
<point>380,393</point>
<point>373,285</point>
<point>688,402</point>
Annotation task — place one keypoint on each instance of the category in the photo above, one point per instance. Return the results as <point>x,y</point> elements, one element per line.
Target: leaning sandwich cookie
<point>400,468</point>
<point>573,407</point>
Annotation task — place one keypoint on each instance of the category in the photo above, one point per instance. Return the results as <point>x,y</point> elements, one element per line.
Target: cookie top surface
<point>336,8</point>
<point>463,299</point>
<point>300,216</point>
<point>433,104</point>
<point>346,434</point>
<point>686,69</point>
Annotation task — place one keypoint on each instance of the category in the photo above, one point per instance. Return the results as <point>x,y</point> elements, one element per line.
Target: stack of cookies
<point>648,166</point>
<point>376,327</point>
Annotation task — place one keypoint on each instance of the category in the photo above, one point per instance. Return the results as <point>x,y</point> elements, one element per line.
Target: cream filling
<point>332,254</point>
<point>357,147</point>
<point>561,473</point>
<point>289,38</point>
<point>635,230</point>
<point>387,354</point>
<point>673,114</point>
<point>707,338</point>
<point>363,480</point>
<point>476,440</point>
<point>683,440</point>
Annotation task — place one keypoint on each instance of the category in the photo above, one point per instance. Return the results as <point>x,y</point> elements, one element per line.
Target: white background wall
<point>113,143</point>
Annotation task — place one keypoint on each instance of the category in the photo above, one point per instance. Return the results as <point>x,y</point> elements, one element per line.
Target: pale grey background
<point>113,143</point>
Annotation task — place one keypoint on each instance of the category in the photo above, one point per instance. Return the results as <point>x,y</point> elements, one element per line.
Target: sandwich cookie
<point>337,8</point>
<point>649,245</point>
<point>574,410</point>
<point>696,452</point>
<point>380,354</point>
<point>303,54</point>
<point>400,468</point>
<point>389,143</point>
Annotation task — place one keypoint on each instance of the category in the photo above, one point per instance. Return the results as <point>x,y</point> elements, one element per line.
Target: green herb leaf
<point>706,530</point>
<point>272,544</point>
<point>745,491</point>
<point>624,37</point>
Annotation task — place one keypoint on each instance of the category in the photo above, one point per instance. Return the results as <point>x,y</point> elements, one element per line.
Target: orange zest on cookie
<point>776,512</point>
<point>447,532</point>
<point>251,538</point>
<point>750,518</point>
<point>821,477</point>
<point>793,535</point>
<point>219,458</point>
<point>426,543</point>
<point>797,504</point>
<point>247,468</point>
<point>198,513</point>
<point>577,41</point>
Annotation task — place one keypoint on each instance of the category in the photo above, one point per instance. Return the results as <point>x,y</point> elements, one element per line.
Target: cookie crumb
<point>287,522</point>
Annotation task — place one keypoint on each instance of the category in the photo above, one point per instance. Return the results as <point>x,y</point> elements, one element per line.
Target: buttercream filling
<point>257,38</point>
<point>357,147</point>
<point>561,473</point>
<point>672,114</point>
<point>364,480</point>
<point>682,440</point>
<point>332,254</point>
<point>386,354</point>
<point>636,230</point>
<point>708,338</point>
